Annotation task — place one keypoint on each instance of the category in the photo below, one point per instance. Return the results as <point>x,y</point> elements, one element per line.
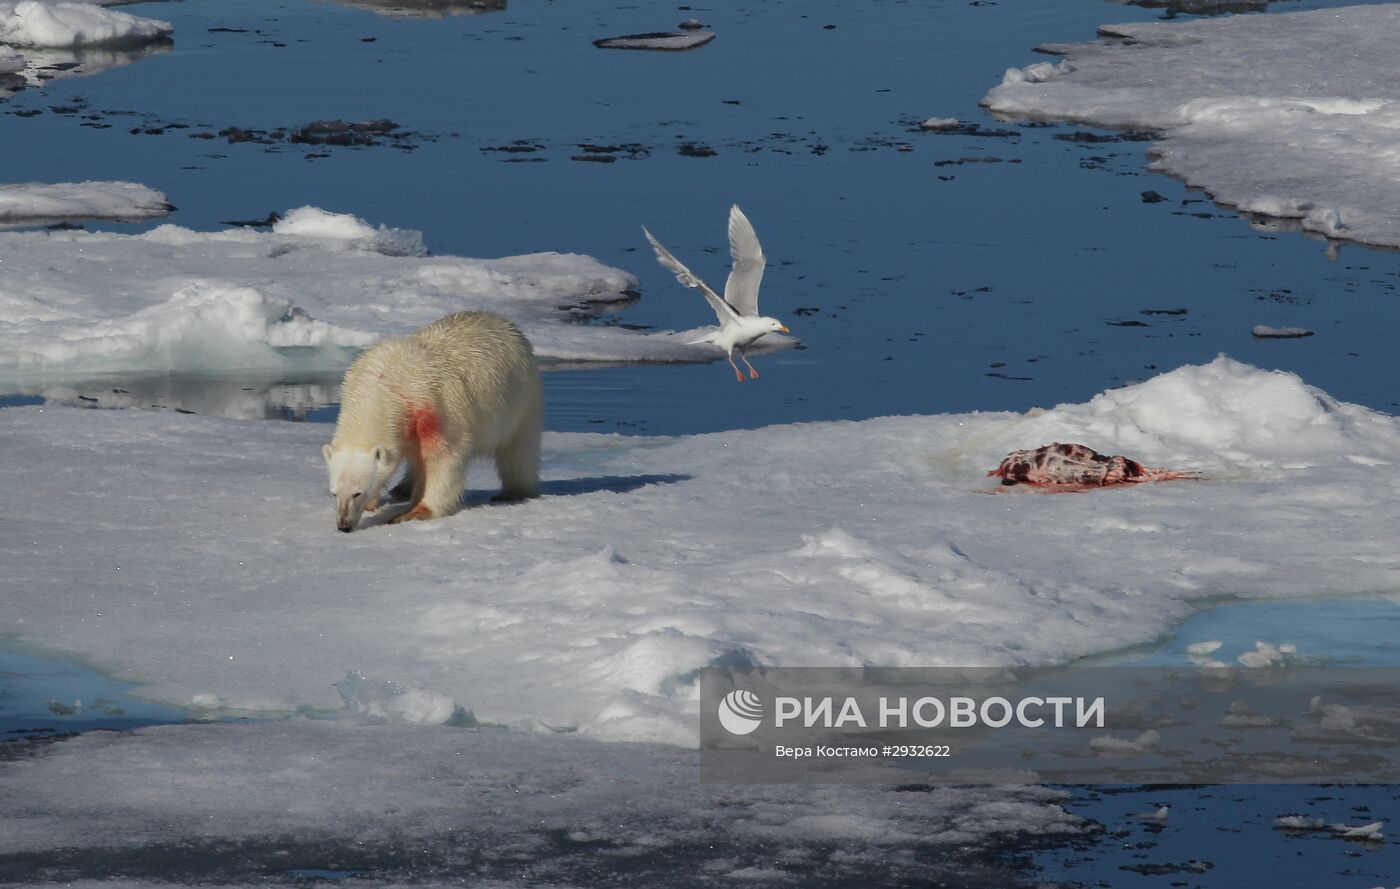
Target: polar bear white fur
<point>463,387</point>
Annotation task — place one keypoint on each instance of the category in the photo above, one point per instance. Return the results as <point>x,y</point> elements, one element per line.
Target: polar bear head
<point>357,475</point>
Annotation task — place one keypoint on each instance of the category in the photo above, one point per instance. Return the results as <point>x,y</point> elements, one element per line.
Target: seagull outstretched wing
<point>723,310</point>
<point>741,290</point>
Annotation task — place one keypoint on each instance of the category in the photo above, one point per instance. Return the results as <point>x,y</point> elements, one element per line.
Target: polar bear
<point>463,387</point>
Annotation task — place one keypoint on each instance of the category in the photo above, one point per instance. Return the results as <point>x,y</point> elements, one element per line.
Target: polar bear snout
<point>348,510</point>
<point>356,478</point>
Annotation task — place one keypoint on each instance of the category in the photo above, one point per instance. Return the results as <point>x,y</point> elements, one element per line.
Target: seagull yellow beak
<point>783,328</point>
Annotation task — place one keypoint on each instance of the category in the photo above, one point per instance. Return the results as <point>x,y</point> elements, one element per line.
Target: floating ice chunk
<point>383,699</point>
<point>939,123</point>
<point>1112,746</point>
<point>1337,723</point>
<point>62,24</point>
<point>1266,655</point>
<point>1037,73</point>
<point>1373,832</point>
<point>10,61</point>
<point>1264,332</point>
<point>1159,815</point>
<point>1201,649</point>
<point>1242,716</point>
<point>659,40</point>
<point>36,202</point>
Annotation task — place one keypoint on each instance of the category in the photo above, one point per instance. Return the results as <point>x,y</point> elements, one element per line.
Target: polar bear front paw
<point>416,514</point>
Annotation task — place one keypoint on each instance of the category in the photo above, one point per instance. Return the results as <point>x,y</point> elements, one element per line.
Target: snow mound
<point>342,228</point>
<point>1250,107</point>
<point>204,326</point>
<point>36,202</point>
<point>198,556</point>
<point>304,296</point>
<point>58,24</point>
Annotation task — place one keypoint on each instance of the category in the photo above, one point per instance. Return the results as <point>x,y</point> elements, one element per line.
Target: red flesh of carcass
<point>1074,467</point>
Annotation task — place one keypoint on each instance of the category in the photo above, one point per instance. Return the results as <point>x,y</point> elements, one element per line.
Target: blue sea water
<point>1224,836</point>
<point>43,695</point>
<point>916,285</point>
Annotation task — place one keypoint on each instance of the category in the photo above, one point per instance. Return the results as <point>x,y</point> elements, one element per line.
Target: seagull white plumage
<point>740,325</point>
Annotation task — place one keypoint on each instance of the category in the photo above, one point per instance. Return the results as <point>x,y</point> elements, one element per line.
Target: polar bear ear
<point>327,452</point>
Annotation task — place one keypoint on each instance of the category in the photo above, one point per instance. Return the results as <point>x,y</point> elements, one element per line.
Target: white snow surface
<point>1261,111</point>
<point>306,295</point>
<point>48,202</point>
<point>197,557</point>
<point>59,24</point>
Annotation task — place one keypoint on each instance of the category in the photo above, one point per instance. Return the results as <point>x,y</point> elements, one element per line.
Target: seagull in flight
<point>740,325</point>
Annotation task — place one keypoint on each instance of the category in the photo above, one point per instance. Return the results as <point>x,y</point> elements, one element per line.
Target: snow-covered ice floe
<point>59,24</point>
<point>198,558</point>
<point>39,203</point>
<point>306,295</point>
<point>1260,111</point>
<point>245,803</point>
